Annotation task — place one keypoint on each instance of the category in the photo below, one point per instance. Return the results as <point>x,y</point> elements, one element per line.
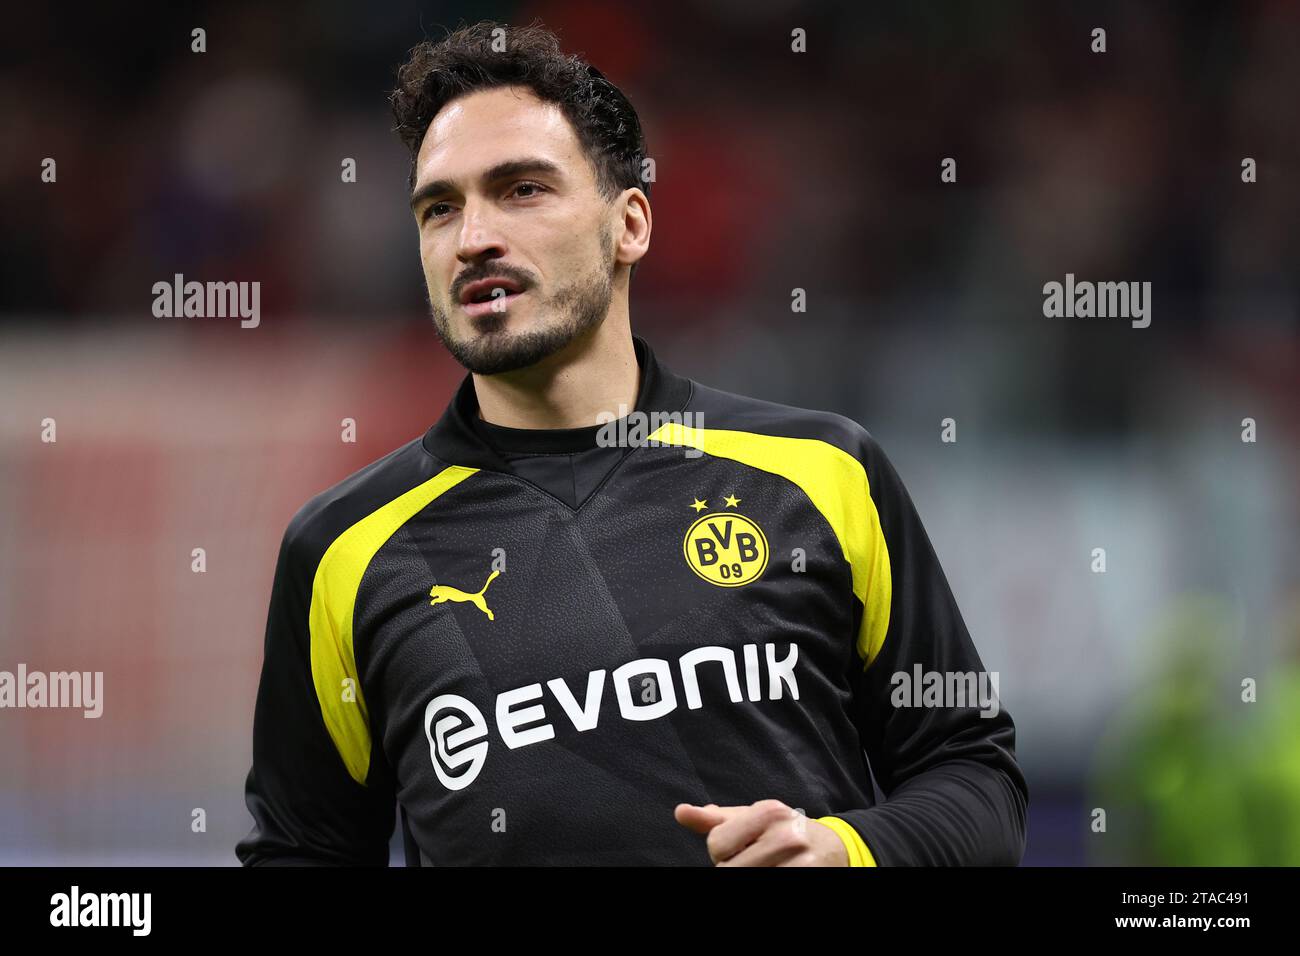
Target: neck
<point>594,373</point>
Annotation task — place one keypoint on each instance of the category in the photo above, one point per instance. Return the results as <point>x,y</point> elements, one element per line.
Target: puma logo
<point>445,592</point>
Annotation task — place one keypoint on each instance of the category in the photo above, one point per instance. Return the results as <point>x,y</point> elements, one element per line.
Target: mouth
<point>491,304</point>
<point>489,295</point>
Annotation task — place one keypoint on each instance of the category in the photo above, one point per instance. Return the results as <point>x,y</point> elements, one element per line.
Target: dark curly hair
<point>478,58</point>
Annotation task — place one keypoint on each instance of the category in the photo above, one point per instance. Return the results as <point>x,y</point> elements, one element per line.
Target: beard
<point>573,311</point>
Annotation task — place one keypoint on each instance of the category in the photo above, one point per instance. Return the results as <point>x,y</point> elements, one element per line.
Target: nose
<point>479,235</point>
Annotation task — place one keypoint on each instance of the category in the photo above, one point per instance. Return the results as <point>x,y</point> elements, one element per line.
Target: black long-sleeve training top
<point>538,643</point>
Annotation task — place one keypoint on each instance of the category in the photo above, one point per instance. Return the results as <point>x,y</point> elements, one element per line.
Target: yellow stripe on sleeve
<point>333,600</point>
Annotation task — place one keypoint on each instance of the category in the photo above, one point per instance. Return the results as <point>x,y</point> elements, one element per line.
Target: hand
<point>766,833</point>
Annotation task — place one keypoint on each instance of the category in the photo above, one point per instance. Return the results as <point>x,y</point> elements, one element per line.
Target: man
<point>549,640</point>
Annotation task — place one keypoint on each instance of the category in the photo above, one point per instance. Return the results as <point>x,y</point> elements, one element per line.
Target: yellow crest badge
<point>725,547</point>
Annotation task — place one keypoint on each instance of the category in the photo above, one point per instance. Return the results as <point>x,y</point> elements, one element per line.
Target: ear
<point>632,231</point>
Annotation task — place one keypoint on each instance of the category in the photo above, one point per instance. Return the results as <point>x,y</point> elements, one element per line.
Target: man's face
<point>503,191</point>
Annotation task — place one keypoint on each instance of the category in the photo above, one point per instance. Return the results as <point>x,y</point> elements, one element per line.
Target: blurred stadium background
<point>774,171</point>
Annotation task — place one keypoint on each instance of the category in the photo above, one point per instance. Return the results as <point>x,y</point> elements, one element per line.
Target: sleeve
<point>946,763</point>
<point>854,846</point>
<point>307,808</point>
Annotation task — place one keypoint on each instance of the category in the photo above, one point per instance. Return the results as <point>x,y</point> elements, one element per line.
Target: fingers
<point>745,827</point>
<point>793,840</point>
<point>701,819</point>
<point>766,833</point>
<point>779,845</point>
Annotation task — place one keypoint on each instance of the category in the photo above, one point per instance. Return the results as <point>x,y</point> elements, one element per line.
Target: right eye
<point>431,211</point>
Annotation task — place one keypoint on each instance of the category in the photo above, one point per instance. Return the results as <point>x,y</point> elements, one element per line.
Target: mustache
<point>520,278</point>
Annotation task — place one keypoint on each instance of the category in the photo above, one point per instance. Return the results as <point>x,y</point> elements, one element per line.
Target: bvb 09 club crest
<point>724,547</point>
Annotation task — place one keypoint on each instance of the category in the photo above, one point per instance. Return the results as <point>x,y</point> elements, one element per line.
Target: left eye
<point>534,186</point>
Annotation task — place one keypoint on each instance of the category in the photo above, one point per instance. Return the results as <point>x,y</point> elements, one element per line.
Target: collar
<point>460,437</point>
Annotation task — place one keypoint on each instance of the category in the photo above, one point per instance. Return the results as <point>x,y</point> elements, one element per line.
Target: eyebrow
<point>511,167</point>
